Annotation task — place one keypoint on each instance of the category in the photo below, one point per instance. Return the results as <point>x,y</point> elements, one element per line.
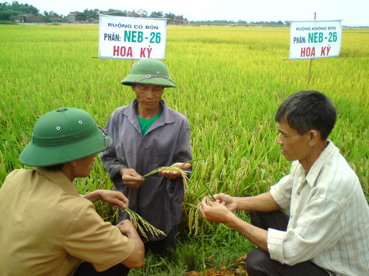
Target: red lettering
<point>129,52</point>
<point>116,51</point>
<point>322,53</point>
<point>149,52</point>
<point>328,49</point>
<point>143,52</point>
<point>308,52</point>
<point>122,51</point>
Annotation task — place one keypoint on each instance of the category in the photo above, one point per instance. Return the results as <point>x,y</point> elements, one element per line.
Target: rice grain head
<point>183,173</point>
<point>137,221</point>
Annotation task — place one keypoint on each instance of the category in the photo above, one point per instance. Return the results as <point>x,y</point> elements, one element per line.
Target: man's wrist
<point>121,171</point>
<point>236,202</point>
<point>99,193</point>
<point>230,219</point>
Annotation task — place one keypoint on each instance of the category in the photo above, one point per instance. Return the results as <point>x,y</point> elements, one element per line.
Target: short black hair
<point>54,168</point>
<point>308,110</point>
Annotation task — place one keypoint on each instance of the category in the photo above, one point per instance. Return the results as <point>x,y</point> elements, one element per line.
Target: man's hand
<point>216,211</point>
<point>114,198</point>
<point>126,228</point>
<point>227,200</point>
<point>137,258</point>
<point>174,174</point>
<point>131,178</point>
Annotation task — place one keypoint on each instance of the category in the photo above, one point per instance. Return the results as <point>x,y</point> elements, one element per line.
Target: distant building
<point>30,18</point>
<point>178,20</point>
<point>133,14</point>
<point>92,20</point>
<point>56,18</point>
<point>22,18</point>
<point>72,16</point>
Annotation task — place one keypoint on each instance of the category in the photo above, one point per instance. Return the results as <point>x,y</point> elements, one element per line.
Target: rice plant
<point>143,226</point>
<point>174,168</point>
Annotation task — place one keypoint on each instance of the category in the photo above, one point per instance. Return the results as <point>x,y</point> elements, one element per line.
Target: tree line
<point>10,11</point>
<point>13,12</point>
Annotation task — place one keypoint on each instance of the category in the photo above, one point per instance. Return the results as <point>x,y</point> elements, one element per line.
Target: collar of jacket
<point>132,115</point>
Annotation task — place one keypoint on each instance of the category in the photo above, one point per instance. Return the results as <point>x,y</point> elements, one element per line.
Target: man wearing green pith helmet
<point>46,227</point>
<point>148,134</point>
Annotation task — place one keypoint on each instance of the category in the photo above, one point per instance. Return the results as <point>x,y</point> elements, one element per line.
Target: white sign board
<point>315,39</point>
<point>132,37</point>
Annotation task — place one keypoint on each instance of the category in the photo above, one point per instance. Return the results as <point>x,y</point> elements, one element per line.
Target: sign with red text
<point>132,37</point>
<point>315,39</point>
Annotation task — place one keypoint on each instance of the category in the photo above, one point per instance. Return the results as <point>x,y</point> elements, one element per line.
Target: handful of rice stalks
<point>183,173</point>
<point>175,168</point>
<point>142,225</point>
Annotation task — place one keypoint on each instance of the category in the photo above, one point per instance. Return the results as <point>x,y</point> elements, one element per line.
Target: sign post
<point>132,37</point>
<point>315,39</point>
<point>311,60</point>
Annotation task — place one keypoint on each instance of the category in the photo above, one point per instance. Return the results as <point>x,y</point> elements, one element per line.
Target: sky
<point>351,12</point>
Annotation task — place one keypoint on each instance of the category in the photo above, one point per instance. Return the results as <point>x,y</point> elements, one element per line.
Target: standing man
<point>148,134</point>
<point>46,227</point>
<point>327,230</point>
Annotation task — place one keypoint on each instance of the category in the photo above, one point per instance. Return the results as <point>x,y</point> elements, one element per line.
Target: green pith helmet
<point>149,71</point>
<point>64,135</point>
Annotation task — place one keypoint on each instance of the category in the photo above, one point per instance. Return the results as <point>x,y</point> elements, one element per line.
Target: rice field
<point>230,81</point>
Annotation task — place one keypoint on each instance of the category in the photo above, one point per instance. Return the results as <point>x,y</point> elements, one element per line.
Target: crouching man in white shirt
<point>327,230</point>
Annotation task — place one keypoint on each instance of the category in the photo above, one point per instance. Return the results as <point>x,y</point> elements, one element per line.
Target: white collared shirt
<point>329,217</point>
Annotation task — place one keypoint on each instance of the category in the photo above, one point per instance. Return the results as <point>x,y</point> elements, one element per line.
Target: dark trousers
<point>259,263</point>
<point>164,246</point>
<point>87,269</point>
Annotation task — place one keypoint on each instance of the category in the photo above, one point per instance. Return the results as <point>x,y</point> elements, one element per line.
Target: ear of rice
<point>183,173</point>
<point>174,167</point>
<point>143,225</point>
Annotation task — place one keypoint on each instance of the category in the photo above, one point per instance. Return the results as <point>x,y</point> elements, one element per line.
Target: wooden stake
<point>311,60</point>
